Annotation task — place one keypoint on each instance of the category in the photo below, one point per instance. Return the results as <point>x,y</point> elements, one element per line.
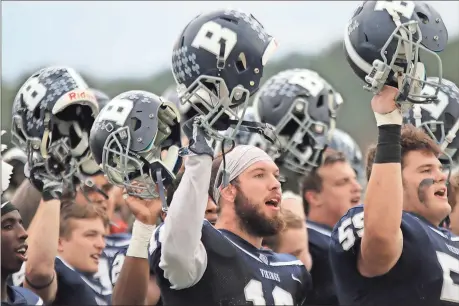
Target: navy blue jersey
<point>237,273</point>
<point>116,265</point>
<point>115,244</point>
<point>427,273</point>
<point>21,296</point>
<point>77,288</point>
<point>323,292</point>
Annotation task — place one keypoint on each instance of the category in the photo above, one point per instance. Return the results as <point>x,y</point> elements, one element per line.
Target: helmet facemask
<point>404,69</point>
<point>303,139</point>
<point>138,172</point>
<point>210,98</point>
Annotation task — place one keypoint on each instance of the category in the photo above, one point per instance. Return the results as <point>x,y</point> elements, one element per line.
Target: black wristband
<point>42,286</point>
<point>389,149</point>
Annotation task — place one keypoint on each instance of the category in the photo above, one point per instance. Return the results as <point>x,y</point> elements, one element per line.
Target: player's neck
<point>234,227</point>
<point>322,218</point>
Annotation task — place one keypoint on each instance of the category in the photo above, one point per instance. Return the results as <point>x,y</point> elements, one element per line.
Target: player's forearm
<point>182,251</point>
<point>43,243</point>
<point>384,201</point>
<point>26,199</point>
<point>133,282</point>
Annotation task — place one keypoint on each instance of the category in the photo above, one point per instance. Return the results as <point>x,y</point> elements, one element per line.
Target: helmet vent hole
<point>229,19</point>
<point>241,63</point>
<point>366,37</point>
<point>136,123</point>
<point>320,101</point>
<point>423,17</point>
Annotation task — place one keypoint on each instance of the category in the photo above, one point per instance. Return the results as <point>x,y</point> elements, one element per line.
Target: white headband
<point>237,161</point>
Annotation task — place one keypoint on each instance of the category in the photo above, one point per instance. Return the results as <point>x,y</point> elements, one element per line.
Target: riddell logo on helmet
<point>82,95</point>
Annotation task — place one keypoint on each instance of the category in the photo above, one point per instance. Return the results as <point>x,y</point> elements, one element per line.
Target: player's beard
<point>252,220</point>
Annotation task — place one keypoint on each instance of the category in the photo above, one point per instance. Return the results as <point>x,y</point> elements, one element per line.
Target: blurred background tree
<point>355,116</point>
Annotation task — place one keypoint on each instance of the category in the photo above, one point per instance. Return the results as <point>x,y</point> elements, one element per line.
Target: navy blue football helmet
<point>127,140</point>
<point>383,40</point>
<point>441,119</point>
<point>302,107</point>
<point>217,62</point>
<point>52,115</point>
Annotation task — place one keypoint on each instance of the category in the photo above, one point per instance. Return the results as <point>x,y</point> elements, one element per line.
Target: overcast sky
<point>116,39</point>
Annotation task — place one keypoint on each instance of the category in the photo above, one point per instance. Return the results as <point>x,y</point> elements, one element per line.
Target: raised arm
<point>382,239</point>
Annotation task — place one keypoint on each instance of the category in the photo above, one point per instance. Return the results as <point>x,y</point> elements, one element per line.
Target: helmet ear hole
<point>241,63</point>
<point>423,17</point>
<point>136,123</point>
<point>320,101</point>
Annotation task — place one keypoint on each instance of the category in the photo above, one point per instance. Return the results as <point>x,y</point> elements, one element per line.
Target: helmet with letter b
<point>52,115</point>
<point>383,43</point>
<point>218,62</point>
<point>128,141</point>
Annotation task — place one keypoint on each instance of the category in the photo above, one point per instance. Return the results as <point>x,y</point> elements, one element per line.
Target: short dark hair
<point>411,139</point>
<point>313,182</point>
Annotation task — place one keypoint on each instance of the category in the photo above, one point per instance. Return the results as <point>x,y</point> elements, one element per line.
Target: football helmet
<point>127,139</point>
<point>217,62</point>
<point>343,142</point>
<point>302,107</point>
<point>52,115</point>
<point>441,119</point>
<point>17,159</point>
<point>382,43</point>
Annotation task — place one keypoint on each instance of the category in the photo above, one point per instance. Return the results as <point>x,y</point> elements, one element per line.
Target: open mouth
<point>442,193</point>
<point>355,200</point>
<point>95,257</point>
<point>21,252</point>
<point>274,202</point>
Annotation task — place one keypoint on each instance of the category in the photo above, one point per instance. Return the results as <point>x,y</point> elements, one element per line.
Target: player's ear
<point>228,193</point>
<point>312,197</point>
<point>60,247</point>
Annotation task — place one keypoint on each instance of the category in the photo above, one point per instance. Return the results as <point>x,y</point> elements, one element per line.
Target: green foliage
<point>355,116</point>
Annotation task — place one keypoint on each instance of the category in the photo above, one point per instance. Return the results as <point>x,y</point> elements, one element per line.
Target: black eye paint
<point>423,185</point>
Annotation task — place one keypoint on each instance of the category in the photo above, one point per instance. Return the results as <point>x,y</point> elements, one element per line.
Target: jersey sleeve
<point>345,247</point>
<point>30,297</point>
<point>183,256</point>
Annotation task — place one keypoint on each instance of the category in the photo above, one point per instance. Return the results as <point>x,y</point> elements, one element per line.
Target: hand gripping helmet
<point>218,63</point>
<point>441,119</point>
<point>302,107</point>
<point>343,142</point>
<point>127,141</point>
<point>382,43</point>
<point>52,115</point>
